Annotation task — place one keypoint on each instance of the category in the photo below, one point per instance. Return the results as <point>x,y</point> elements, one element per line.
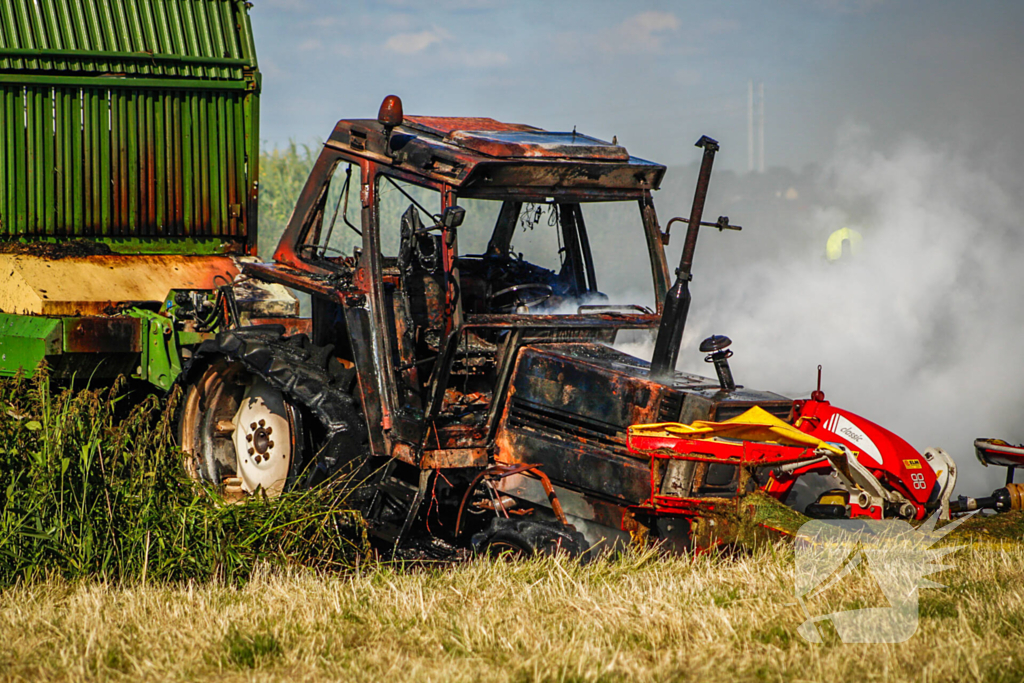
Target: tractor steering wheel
<point>542,292</point>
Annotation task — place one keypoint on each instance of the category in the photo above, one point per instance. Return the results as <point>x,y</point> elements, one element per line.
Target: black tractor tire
<point>332,439</point>
<point>524,538</point>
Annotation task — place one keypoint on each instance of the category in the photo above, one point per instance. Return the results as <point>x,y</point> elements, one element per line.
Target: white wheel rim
<point>263,439</point>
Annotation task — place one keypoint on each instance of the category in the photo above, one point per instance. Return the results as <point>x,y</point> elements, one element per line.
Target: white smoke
<point>920,332</point>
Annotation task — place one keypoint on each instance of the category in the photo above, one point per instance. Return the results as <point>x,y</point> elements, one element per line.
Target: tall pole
<point>750,126</point>
<point>760,132</point>
<point>677,301</point>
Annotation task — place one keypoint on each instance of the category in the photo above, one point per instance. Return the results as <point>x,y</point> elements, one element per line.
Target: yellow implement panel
<point>92,285</point>
<point>756,424</point>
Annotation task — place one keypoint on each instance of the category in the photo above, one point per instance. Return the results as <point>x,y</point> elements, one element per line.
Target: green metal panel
<point>128,118</point>
<point>126,244</point>
<point>161,357</point>
<point>26,340</point>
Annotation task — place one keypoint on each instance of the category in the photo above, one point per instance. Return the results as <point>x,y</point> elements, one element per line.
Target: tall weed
<point>92,485</point>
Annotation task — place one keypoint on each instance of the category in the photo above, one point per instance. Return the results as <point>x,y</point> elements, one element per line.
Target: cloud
<point>310,45</point>
<point>477,59</point>
<point>447,52</point>
<point>411,43</point>
<point>452,59</point>
<point>641,32</point>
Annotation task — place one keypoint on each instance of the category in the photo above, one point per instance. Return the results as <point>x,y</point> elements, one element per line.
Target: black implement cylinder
<point>677,301</point>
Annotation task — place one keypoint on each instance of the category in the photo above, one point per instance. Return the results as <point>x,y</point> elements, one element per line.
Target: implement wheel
<point>239,433</point>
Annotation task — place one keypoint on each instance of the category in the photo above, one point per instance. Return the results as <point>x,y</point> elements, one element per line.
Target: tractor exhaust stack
<point>677,301</point>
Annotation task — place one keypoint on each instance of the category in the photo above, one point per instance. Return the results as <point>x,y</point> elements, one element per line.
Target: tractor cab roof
<point>483,157</point>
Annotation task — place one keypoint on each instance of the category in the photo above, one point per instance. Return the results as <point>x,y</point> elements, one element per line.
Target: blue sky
<point>656,74</point>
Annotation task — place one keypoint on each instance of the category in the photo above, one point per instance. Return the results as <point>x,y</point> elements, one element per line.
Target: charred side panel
<point>569,407</point>
<point>102,334</point>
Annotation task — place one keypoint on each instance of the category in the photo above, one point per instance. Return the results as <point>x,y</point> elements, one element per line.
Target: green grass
<point>638,617</point>
<point>250,650</point>
<point>93,486</point>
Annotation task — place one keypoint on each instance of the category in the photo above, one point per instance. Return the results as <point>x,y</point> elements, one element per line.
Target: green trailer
<point>129,164</point>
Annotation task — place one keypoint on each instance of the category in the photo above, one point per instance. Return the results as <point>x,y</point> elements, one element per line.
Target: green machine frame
<point>133,124</point>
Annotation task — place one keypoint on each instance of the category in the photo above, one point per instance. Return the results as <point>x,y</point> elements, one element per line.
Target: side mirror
<point>453,217</point>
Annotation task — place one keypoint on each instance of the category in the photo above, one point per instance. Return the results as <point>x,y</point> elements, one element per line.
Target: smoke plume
<point>919,331</point>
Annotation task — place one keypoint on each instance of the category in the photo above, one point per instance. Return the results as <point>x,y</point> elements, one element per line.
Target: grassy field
<point>642,617</point>
<point>114,567</point>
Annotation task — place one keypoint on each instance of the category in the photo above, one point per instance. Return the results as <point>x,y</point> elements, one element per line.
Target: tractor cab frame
<point>432,333</point>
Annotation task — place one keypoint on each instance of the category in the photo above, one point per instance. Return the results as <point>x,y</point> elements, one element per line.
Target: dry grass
<point>637,618</point>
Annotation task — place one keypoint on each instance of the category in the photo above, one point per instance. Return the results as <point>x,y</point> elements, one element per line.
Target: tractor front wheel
<point>520,538</point>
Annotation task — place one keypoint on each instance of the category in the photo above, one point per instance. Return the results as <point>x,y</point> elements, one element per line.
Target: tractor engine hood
<point>570,405</point>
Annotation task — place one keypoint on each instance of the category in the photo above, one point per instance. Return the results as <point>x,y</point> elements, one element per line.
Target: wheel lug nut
<point>269,430</point>
<point>252,426</point>
<point>251,451</point>
<point>257,459</point>
<point>263,423</point>
<point>270,444</point>
<point>248,437</point>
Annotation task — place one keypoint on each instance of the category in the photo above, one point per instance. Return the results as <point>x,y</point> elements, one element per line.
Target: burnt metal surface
<point>537,144</point>
<point>325,283</point>
<point>104,284</point>
<point>476,163</point>
<point>568,409</point>
<point>102,334</point>
<point>570,406</point>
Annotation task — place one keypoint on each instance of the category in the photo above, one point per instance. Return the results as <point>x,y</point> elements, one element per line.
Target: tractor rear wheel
<point>253,392</point>
<point>238,432</point>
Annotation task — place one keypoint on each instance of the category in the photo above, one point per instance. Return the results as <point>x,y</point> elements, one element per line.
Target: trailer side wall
<point>129,122</point>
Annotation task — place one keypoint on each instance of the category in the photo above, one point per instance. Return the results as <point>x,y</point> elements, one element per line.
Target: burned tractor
<point>458,373</point>
<point>469,395</point>
<point>437,379</point>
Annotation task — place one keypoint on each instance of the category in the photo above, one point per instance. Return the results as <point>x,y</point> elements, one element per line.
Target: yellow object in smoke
<point>843,240</point>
